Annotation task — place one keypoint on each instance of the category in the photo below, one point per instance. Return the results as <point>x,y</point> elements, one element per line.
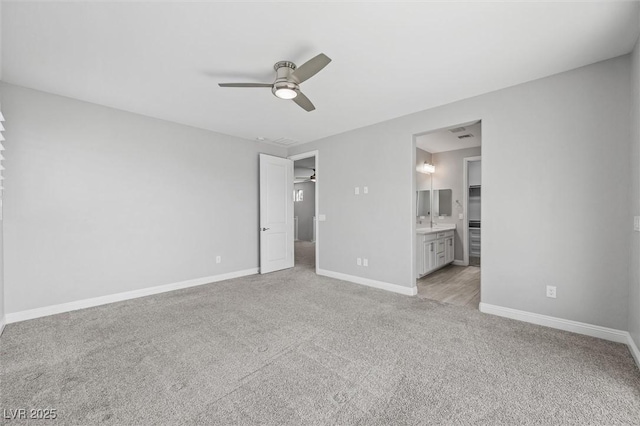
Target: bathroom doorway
<point>447,213</point>
<point>305,196</point>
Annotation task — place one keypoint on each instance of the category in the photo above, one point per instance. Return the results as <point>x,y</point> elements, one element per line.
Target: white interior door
<point>276,213</point>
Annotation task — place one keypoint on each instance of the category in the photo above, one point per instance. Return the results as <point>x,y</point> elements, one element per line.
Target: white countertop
<point>437,228</point>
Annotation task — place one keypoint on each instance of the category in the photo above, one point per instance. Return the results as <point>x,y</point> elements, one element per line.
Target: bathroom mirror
<point>423,204</point>
<point>442,203</point>
<point>442,200</point>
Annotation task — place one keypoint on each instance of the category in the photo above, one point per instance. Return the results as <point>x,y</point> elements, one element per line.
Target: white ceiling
<point>447,140</point>
<point>164,59</point>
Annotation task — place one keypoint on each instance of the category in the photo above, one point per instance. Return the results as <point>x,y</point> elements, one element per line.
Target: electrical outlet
<point>357,190</point>
<point>636,223</point>
<point>365,262</point>
<point>551,291</point>
<point>461,216</point>
<point>218,259</point>
<point>359,261</point>
<point>365,189</point>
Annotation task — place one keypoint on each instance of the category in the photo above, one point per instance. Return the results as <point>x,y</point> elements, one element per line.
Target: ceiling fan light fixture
<point>285,93</point>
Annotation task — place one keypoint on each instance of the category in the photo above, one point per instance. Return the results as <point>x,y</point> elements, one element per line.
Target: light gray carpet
<point>294,348</point>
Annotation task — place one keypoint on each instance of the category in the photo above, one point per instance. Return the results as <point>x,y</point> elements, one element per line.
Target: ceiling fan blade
<point>304,102</point>
<point>245,85</point>
<point>310,68</point>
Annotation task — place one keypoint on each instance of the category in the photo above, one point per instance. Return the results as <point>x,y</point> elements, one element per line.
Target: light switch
<point>636,223</point>
<point>365,262</point>
<point>359,261</point>
<point>461,216</point>
<point>357,190</point>
<point>365,189</point>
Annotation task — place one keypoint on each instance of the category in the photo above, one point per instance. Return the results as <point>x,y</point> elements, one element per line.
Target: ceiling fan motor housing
<point>284,79</point>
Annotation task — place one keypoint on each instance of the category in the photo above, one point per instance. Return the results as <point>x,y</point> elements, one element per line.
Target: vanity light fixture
<point>428,168</point>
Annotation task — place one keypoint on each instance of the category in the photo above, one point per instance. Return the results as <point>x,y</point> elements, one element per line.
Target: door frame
<point>465,223</point>
<point>302,156</point>
<point>413,170</point>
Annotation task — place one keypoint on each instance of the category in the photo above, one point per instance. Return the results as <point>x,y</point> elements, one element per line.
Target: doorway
<point>447,211</point>
<point>305,196</point>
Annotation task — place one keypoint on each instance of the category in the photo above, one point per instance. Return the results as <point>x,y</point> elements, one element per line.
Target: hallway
<point>305,255</point>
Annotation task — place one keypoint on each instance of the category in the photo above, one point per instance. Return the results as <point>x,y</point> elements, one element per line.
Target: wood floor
<point>457,285</point>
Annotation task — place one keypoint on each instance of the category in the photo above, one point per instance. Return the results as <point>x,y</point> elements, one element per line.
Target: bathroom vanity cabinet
<point>434,249</point>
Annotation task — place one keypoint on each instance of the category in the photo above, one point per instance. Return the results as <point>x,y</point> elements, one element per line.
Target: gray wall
<point>634,196</point>
<point>450,175</point>
<point>554,153</point>
<point>2,304</point>
<point>305,210</point>
<point>423,180</point>
<point>100,201</point>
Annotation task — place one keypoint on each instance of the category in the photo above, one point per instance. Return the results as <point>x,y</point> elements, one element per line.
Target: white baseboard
<point>612,334</point>
<point>459,263</point>
<point>619,336</point>
<point>407,291</point>
<point>3,321</point>
<point>635,352</point>
<point>118,297</point>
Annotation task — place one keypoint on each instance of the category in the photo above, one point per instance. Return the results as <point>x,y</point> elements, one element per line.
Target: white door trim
<point>414,214</point>
<point>465,222</point>
<point>301,156</point>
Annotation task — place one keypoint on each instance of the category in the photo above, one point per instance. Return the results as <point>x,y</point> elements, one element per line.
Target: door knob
<point>265,229</point>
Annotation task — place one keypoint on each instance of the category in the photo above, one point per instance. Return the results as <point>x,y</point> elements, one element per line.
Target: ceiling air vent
<point>457,130</point>
<point>465,136</point>
<point>284,141</point>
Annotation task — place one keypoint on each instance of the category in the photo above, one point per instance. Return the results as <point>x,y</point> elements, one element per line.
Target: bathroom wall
<point>305,210</point>
<point>423,180</point>
<point>449,175</point>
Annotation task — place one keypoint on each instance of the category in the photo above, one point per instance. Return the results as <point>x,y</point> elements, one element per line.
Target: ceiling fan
<point>288,79</point>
